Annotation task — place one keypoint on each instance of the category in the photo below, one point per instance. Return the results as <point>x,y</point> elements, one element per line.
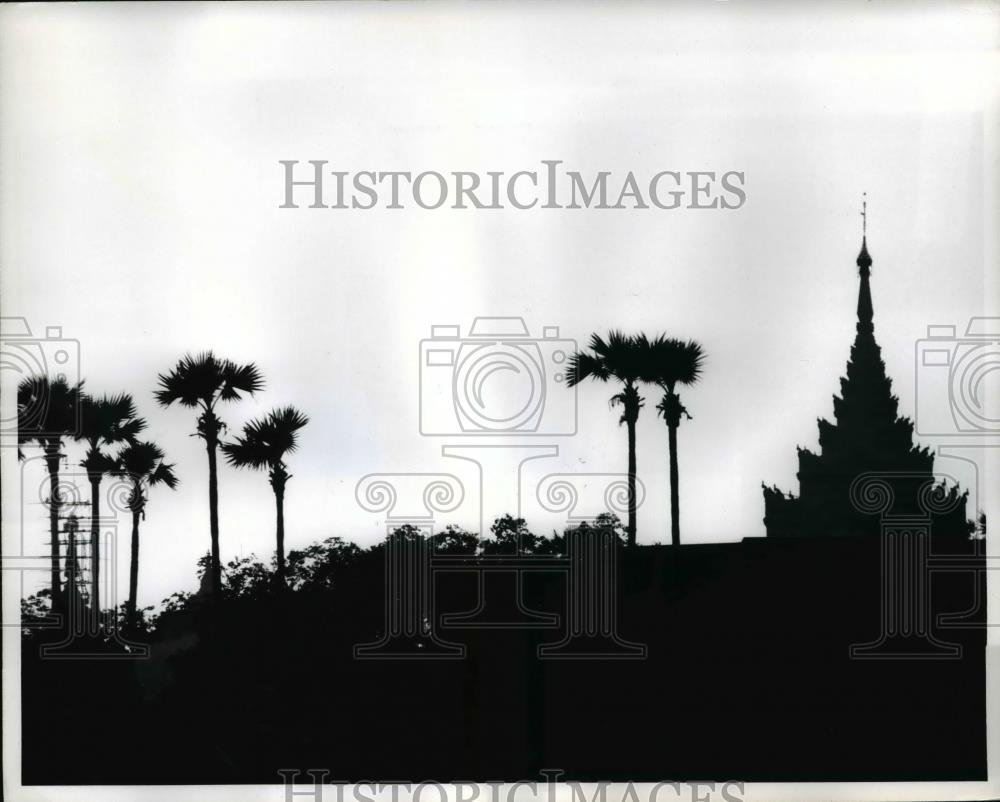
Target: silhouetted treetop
<point>143,461</point>
<point>670,361</point>
<point>618,356</point>
<point>46,408</point>
<point>109,418</point>
<point>200,380</point>
<point>266,441</point>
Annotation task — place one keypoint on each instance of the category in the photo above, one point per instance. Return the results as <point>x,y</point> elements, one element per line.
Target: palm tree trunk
<point>95,551</point>
<point>279,500</point>
<point>55,501</point>
<point>213,518</point>
<point>72,591</point>
<point>630,530</point>
<point>675,510</point>
<point>133,574</point>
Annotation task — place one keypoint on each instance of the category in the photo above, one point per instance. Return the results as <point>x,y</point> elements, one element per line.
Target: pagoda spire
<point>864,262</point>
<point>866,435</point>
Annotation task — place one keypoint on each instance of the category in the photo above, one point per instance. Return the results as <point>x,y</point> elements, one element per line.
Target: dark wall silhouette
<point>747,676</point>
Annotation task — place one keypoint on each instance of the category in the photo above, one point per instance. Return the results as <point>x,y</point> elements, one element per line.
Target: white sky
<point>139,152</point>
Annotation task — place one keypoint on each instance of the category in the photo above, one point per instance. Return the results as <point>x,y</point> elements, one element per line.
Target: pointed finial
<point>864,260</point>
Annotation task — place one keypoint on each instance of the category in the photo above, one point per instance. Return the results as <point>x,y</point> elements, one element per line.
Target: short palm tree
<point>105,422</point>
<point>263,446</point>
<point>48,410</point>
<point>142,464</point>
<point>672,362</point>
<point>621,358</point>
<point>202,382</point>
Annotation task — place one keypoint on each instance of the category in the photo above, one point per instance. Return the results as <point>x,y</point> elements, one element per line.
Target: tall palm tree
<point>621,358</point>
<point>105,422</point>
<point>47,411</point>
<point>263,446</point>
<point>672,362</point>
<point>202,382</point>
<point>142,463</point>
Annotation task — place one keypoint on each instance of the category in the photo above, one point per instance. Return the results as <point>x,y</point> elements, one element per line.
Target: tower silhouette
<point>867,436</point>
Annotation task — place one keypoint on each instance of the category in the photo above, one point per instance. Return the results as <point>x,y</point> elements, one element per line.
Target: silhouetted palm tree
<point>263,447</point>
<point>142,463</point>
<point>672,362</point>
<point>47,411</point>
<point>105,421</point>
<point>201,382</point>
<point>620,358</point>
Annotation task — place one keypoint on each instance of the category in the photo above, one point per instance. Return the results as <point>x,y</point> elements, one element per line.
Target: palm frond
<point>138,459</point>
<point>47,408</point>
<point>582,365</point>
<point>164,474</point>
<point>238,379</point>
<point>127,431</point>
<point>203,379</point>
<point>619,355</point>
<point>598,345</point>
<point>194,380</point>
<point>142,461</point>
<point>284,424</point>
<point>265,441</point>
<point>108,419</point>
<point>248,452</point>
<point>671,361</point>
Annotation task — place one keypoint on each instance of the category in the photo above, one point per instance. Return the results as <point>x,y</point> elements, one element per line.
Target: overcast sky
<point>139,151</point>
